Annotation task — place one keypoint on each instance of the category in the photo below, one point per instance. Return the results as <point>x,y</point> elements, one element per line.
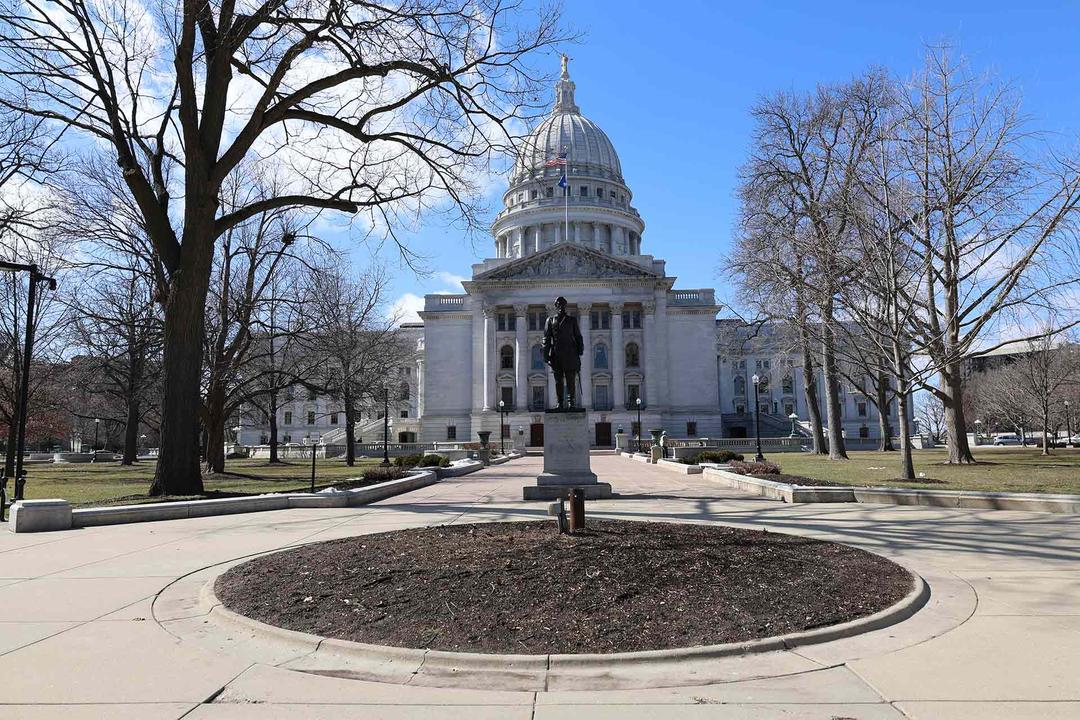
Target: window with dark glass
<point>633,355</point>
<point>584,191</point>
<point>506,358</point>
<point>288,418</point>
<point>691,429</point>
<point>549,192</point>
<point>507,396</point>
<point>600,359</point>
<point>451,432</point>
<point>538,396</point>
<point>536,357</point>
<point>311,417</point>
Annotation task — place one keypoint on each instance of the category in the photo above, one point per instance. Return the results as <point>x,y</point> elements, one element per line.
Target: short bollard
<point>557,510</point>
<point>577,509</point>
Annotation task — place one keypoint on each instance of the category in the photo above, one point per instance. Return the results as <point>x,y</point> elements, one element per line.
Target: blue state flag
<point>562,181</point>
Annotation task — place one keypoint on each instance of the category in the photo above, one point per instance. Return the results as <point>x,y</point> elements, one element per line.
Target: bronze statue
<point>563,347</point>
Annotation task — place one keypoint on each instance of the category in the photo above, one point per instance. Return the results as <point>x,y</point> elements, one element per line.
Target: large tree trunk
<point>272,417</point>
<point>350,431</point>
<point>884,429</point>
<point>837,449</point>
<point>952,397</point>
<point>177,470</point>
<point>215,430</point>
<point>131,431</point>
<point>907,466</point>
<point>813,408</point>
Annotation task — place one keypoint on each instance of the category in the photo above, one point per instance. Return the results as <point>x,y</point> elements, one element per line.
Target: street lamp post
<point>757,419</point>
<point>386,428</point>
<point>978,430</point>
<point>313,438</point>
<point>637,401</point>
<point>97,424</point>
<point>1068,426</point>
<point>794,419</point>
<point>502,424</point>
<point>36,276</point>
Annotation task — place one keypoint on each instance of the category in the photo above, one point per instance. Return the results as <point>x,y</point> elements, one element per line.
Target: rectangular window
<point>311,417</point>
<point>594,320</point>
<point>286,438</point>
<point>691,429</point>
<point>404,413</point>
<point>533,194</point>
<point>507,397</point>
<point>502,322</point>
<point>538,397</point>
<point>451,432</point>
<point>549,192</point>
<point>789,409</point>
<point>632,395</point>
<point>584,192</point>
<point>600,193</point>
<point>862,409</point>
<point>333,419</point>
<point>605,320</point>
<point>631,319</point>
<point>310,394</point>
<point>511,322</point>
<point>288,417</point>
<point>635,429</point>
<point>600,397</point>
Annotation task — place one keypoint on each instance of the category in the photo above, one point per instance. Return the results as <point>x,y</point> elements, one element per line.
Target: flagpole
<point>566,201</point>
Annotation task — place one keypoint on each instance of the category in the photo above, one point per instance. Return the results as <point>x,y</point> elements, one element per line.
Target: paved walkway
<point>999,639</point>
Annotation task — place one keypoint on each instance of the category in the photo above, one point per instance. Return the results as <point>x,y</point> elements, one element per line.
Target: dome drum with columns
<point>535,207</point>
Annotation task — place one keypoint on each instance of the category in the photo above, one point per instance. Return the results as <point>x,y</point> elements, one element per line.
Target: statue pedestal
<point>566,458</point>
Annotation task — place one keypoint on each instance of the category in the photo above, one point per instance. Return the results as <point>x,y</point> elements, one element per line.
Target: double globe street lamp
<point>503,427</point>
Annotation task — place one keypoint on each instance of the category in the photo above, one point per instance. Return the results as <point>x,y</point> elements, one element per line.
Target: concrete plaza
<point>80,636</point>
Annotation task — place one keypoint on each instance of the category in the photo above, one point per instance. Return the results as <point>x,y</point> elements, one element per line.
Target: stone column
<point>521,367</point>
<point>662,365</point>
<point>598,236</point>
<point>586,358</point>
<point>652,354</point>
<point>577,233</point>
<point>419,388</point>
<point>538,241</point>
<point>489,334</point>
<point>618,358</point>
<point>520,232</point>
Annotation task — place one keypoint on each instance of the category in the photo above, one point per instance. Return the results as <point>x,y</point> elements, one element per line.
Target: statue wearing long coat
<point>563,346</point>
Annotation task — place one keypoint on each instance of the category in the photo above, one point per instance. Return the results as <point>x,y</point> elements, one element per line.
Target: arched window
<point>740,385</point>
<point>403,393</point>
<point>763,384</point>
<point>633,355</point>
<point>536,357</point>
<point>506,358</point>
<point>600,357</point>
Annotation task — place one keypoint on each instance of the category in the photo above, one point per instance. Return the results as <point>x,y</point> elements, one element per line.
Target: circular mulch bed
<point>521,588</point>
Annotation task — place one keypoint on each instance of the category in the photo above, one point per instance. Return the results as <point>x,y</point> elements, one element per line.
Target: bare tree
<point>356,341</point>
<point>931,415</point>
<point>369,107</point>
<point>990,220</point>
<point>807,160</point>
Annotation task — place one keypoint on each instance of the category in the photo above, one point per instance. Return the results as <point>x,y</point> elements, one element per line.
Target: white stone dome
<point>589,152</point>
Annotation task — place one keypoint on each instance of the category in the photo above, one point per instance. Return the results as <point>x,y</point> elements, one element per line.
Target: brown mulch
<point>797,480</point>
<point>522,588</point>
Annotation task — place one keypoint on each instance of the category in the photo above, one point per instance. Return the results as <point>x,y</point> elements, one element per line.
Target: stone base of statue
<point>566,458</point>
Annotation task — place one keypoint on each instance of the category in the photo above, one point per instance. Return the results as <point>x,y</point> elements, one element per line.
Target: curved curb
<point>440,668</point>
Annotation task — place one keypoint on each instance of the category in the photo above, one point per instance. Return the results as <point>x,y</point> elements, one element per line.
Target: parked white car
<point>1007,439</point>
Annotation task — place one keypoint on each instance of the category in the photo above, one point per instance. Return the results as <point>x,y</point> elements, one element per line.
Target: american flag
<point>558,161</point>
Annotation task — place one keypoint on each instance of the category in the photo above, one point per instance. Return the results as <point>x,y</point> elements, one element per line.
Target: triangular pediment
<point>567,261</point>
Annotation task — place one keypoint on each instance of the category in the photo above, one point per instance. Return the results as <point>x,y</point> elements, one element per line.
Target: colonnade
<point>529,239</point>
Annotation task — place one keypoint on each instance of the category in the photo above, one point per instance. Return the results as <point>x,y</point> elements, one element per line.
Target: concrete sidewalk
<point>1000,637</point>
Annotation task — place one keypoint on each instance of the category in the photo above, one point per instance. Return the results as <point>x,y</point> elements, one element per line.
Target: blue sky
<point>671,84</point>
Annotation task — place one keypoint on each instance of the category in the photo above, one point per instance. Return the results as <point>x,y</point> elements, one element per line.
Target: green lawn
<point>998,470</point>
<point>109,482</point>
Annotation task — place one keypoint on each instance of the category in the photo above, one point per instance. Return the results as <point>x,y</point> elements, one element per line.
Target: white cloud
<point>408,305</point>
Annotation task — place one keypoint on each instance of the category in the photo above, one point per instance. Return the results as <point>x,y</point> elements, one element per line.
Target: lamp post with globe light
<point>502,427</point>
<point>637,402</point>
<point>757,419</point>
<point>794,419</point>
<point>386,428</point>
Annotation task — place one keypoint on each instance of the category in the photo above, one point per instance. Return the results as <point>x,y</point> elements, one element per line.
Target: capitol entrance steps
<point>742,425</point>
